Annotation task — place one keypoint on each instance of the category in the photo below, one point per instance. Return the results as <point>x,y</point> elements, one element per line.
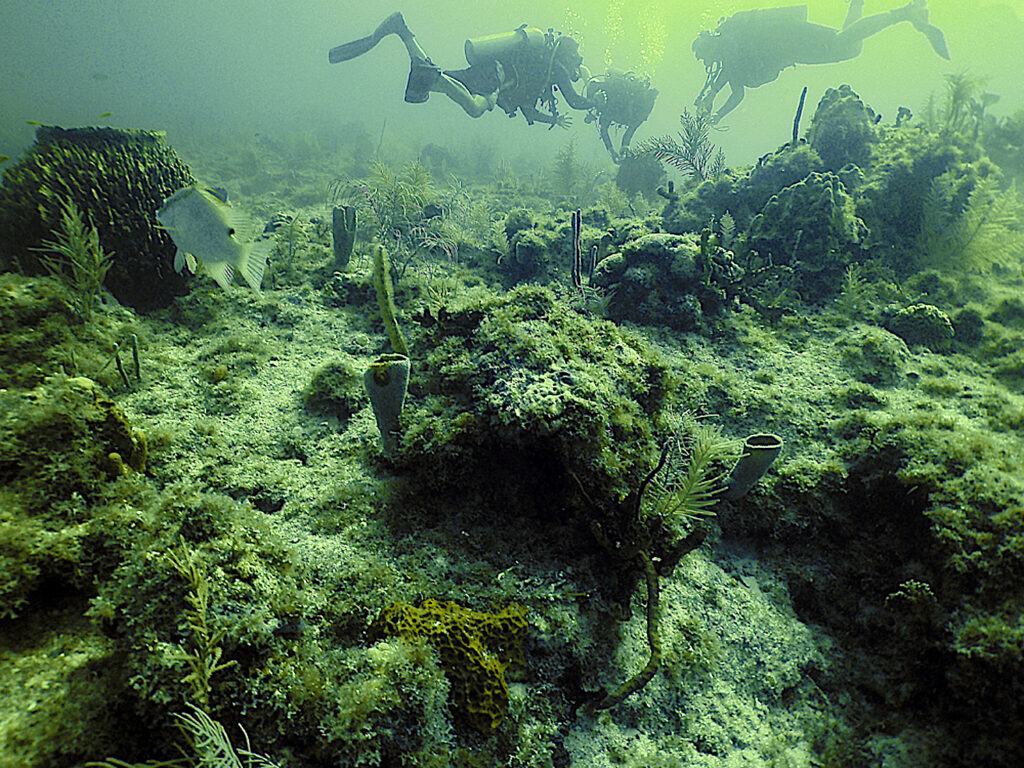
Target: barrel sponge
<point>117,179</point>
<point>475,649</point>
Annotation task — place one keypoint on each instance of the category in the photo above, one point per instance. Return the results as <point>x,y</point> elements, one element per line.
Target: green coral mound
<point>117,179</point>
<point>336,388</point>
<point>61,445</point>
<point>842,129</point>
<point>812,226</point>
<point>475,649</point>
<point>657,279</point>
<point>519,394</point>
<point>36,325</point>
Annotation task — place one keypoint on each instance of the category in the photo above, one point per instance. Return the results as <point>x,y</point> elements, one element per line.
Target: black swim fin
<point>347,51</point>
<point>937,39</point>
<point>392,25</point>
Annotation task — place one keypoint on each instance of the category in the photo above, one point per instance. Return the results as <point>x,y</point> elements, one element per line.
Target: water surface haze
<point>200,69</point>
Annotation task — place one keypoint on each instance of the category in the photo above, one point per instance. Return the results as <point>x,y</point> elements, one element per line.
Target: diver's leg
<point>602,128</point>
<point>867,26</point>
<point>472,104</point>
<point>855,12</point>
<point>918,13</point>
<point>848,41</point>
<point>424,75</point>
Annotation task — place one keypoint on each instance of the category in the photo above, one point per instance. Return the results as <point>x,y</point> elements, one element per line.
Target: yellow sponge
<point>475,650</point>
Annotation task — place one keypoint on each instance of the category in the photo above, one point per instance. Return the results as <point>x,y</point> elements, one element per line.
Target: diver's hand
<point>562,121</point>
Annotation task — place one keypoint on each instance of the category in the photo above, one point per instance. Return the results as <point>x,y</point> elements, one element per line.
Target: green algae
<point>860,604</point>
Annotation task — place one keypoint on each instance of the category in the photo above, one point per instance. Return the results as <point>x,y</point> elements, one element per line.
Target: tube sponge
<point>386,382</point>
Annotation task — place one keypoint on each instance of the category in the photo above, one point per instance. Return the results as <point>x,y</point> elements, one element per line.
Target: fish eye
<point>231,232</point>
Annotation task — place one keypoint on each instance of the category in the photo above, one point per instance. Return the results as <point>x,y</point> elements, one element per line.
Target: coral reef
<point>62,444</point>
<point>741,195</point>
<point>517,393</point>
<point>842,129</point>
<point>117,179</point>
<point>257,561</point>
<point>810,226</point>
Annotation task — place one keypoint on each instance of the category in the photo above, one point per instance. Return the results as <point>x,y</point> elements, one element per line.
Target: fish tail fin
<point>254,263</point>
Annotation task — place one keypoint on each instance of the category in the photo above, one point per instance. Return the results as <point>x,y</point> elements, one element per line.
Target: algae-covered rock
<point>922,324</point>
<point>117,179</point>
<point>874,356</point>
<point>655,280</point>
<point>36,325</point>
<point>812,227</point>
<point>899,188</point>
<point>336,388</point>
<point>952,497</point>
<point>62,444</point>
<point>534,246</point>
<point>842,129</point>
<point>777,171</point>
<point>639,174</point>
<point>741,195</point>
<point>519,401</point>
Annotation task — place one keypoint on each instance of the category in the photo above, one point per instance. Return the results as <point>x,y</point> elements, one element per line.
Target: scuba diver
<point>620,100</point>
<point>751,48</point>
<point>514,70</point>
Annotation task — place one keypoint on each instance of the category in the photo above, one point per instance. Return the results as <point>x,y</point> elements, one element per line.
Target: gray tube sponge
<point>759,451</point>
<point>386,382</point>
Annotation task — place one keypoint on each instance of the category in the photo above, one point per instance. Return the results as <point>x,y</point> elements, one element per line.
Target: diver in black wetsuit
<point>751,48</point>
<point>518,71</point>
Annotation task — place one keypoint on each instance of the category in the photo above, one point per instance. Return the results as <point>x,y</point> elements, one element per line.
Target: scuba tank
<point>482,50</point>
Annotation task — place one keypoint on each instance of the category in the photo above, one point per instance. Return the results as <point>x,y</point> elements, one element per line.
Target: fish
<point>106,114</point>
<point>209,235</point>
<point>4,158</point>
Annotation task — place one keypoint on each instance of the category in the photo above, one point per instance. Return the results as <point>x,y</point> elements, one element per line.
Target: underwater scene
<point>530,385</point>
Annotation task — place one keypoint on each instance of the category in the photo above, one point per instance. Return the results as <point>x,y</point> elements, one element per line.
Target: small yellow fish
<point>33,122</point>
<point>106,114</point>
<point>4,158</point>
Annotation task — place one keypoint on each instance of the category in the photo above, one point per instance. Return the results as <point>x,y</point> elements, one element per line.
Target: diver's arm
<point>735,97</point>
<point>603,130</point>
<point>706,98</point>
<point>561,78</point>
<point>628,135</point>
